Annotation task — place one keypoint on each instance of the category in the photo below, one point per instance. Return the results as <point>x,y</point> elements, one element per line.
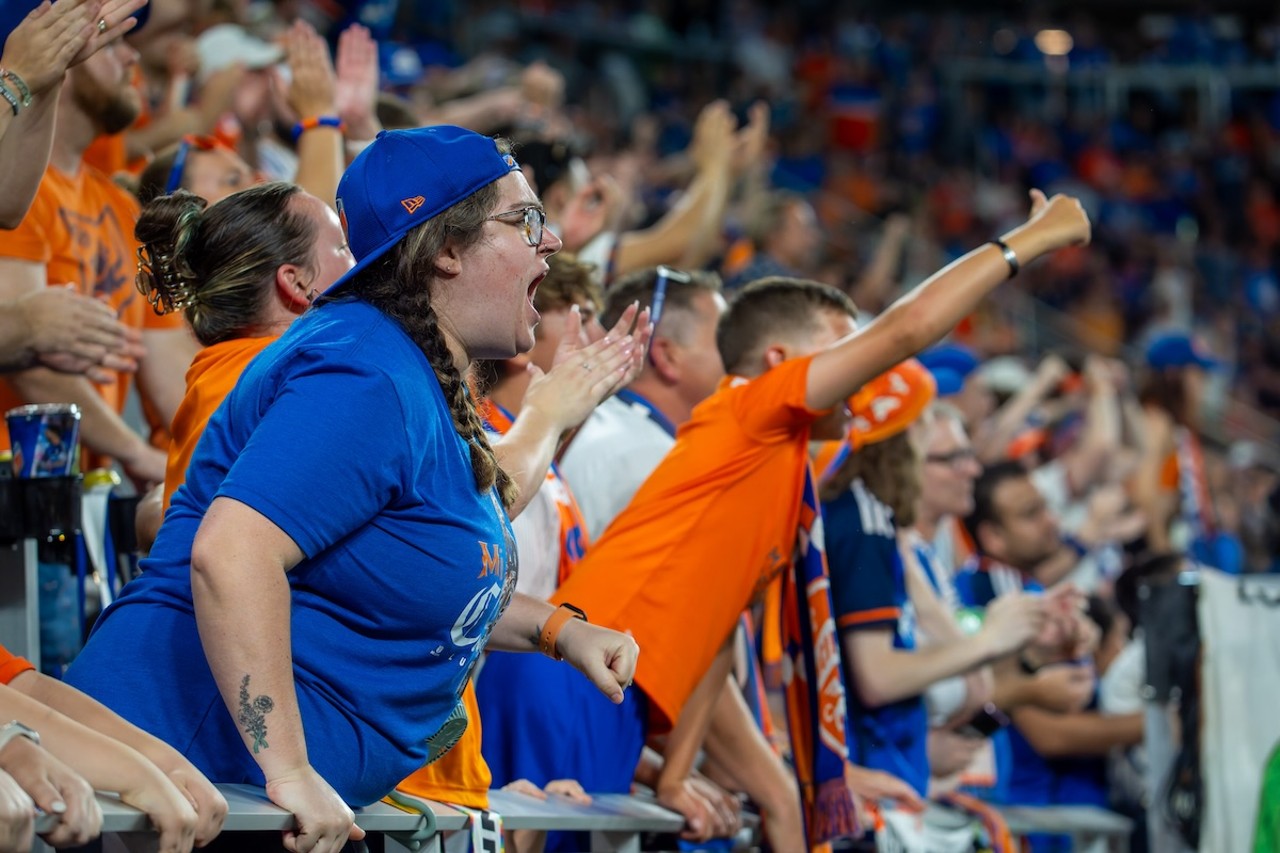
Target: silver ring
<point>102,25</point>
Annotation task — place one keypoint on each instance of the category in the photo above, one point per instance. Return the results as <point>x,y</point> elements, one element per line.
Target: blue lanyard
<point>631,398</point>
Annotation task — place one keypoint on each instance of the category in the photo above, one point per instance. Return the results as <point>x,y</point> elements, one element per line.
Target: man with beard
<point>79,232</point>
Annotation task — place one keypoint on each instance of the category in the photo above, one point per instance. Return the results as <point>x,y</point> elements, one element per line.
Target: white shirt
<point>615,451</point>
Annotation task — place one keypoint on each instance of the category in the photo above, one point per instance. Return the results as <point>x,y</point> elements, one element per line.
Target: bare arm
<point>1147,491</point>
<point>1088,460</point>
<point>883,674</point>
<point>107,765</point>
<point>40,50</point>
<point>1073,735</point>
<point>321,155</point>
<point>931,310</point>
<point>239,588</point>
<point>210,806</point>
<point>1013,415</point>
<point>162,371</point>
<point>26,139</point>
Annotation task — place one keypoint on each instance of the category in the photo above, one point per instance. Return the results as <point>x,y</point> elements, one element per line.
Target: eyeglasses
<point>955,458</point>
<point>200,143</point>
<point>532,221</point>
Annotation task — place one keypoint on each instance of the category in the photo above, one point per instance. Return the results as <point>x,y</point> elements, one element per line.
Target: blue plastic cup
<point>45,440</point>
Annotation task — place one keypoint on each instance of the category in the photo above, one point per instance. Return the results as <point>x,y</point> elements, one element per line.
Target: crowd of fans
<point>802,555</point>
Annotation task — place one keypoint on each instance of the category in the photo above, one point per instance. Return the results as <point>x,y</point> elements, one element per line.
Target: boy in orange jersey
<point>718,520</point>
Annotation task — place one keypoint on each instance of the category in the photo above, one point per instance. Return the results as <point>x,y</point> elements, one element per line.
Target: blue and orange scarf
<point>814,682</point>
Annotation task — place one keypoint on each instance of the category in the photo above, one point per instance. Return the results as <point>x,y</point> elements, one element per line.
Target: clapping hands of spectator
<point>313,86</point>
<point>355,93</point>
<point>1011,622</point>
<point>583,373</point>
<point>56,36</point>
<point>751,140</point>
<point>71,333</point>
<point>714,137</point>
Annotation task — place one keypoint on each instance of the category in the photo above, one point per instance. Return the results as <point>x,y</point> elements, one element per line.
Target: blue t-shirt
<point>868,591</point>
<point>340,435</point>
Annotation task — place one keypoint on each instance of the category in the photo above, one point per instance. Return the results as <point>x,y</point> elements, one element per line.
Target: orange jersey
<point>704,535</point>
<point>11,666</point>
<point>460,776</point>
<point>213,373</point>
<point>81,228</point>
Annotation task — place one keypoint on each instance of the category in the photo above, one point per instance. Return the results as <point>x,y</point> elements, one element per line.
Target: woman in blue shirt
<point>341,550</point>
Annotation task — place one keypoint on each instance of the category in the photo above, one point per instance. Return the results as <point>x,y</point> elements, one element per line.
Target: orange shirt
<point>703,536</point>
<point>213,373</point>
<point>460,776</point>
<point>11,666</point>
<point>81,228</point>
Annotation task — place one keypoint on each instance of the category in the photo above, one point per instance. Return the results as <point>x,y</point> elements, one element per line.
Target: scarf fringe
<point>834,814</point>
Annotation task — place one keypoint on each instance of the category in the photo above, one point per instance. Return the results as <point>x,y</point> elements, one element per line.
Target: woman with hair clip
<point>341,550</point>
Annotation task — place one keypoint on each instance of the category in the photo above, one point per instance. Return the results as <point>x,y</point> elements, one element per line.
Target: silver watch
<point>13,729</point>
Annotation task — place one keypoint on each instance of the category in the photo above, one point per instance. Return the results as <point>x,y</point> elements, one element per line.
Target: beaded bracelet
<point>9,96</point>
<point>21,85</point>
<point>316,121</point>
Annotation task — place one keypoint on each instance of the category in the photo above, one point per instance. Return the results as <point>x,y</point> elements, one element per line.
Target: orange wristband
<point>551,629</point>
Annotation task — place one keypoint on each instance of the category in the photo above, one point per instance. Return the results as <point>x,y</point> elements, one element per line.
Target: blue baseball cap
<point>406,177</point>
<point>1177,349</point>
<point>950,365</point>
<point>13,12</point>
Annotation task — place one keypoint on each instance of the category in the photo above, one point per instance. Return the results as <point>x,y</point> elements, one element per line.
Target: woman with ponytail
<point>341,550</point>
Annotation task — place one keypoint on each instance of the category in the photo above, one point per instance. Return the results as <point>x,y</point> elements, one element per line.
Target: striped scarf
<point>814,683</point>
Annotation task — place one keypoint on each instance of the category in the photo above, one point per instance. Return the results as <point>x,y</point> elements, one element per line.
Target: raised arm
<point>934,307</point>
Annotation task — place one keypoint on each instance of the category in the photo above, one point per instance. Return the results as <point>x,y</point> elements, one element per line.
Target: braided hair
<point>398,284</point>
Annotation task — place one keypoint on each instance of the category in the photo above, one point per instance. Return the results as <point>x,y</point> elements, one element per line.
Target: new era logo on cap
<point>412,204</point>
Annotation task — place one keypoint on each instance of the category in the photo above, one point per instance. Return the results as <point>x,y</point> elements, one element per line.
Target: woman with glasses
<point>341,550</point>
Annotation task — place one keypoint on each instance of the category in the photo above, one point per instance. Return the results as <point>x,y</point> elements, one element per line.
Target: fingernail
<point>59,807</point>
